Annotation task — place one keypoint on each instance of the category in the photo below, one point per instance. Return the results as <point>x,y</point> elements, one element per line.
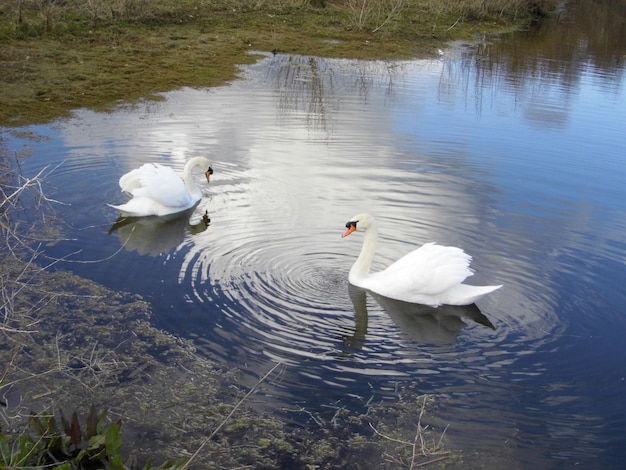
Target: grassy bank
<point>56,56</point>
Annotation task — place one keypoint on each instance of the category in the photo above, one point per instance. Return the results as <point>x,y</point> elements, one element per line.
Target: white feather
<point>159,190</point>
<point>430,275</point>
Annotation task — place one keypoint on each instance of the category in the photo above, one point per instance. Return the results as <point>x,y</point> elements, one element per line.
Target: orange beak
<point>208,174</point>
<point>350,229</point>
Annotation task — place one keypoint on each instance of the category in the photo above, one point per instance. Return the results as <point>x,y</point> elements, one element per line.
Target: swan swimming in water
<point>159,190</point>
<point>430,275</point>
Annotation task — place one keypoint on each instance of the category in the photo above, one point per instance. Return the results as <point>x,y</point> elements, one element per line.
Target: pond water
<point>512,149</point>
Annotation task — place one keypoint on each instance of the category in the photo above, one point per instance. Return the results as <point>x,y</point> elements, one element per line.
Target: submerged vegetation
<point>59,55</point>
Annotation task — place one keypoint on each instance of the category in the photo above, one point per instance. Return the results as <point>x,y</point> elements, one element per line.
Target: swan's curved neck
<point>187,176</point>
<point>361,267</point>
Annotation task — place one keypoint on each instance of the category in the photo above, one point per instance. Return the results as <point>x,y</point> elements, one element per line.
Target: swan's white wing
<point>141,206</point>
<point>159,183</point>
<point>427,271</point>
<point>132,180</point>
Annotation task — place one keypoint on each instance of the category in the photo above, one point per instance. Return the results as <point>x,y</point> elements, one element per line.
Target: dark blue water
<point>512,149</point>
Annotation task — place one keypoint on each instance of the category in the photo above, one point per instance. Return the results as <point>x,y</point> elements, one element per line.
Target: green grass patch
<point>58,56</point>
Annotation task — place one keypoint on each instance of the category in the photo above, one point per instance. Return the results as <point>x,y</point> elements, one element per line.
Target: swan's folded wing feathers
<point>132,180</point>
<point>156,182</point>
<point>430,270</point>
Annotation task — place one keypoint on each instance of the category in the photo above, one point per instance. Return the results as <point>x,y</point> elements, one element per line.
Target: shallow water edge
<point>169,399</point>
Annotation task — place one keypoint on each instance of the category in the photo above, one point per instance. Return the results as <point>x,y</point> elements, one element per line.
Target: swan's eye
<point>210,171</point>
<point>351,224</point>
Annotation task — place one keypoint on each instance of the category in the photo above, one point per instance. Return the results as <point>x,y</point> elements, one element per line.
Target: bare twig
<point>455,23</point>
<point>225,420</point>
<point>10,364</point>
<point>316,419</point>
<point>419,447</point>
<point>396,8</point>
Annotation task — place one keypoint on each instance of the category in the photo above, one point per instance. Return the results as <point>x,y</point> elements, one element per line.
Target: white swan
<point>430,275</point>
<point>158,190</point>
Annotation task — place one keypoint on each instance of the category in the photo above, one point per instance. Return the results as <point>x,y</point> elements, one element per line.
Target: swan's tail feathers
<point>121,207</point>
<point>125,210</point>
<point>464,294</point>
<point>488,289</point>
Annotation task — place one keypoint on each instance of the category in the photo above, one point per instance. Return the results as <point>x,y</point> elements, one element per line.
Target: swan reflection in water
<point>422,323</point>
<point>155,235</point>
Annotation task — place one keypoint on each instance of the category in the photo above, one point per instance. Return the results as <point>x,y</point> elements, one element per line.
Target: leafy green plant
<point>95,445</point>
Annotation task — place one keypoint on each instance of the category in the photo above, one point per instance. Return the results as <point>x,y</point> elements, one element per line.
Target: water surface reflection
<point>157,235</point>
<point>512,150</point>
<point>423,324</point>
